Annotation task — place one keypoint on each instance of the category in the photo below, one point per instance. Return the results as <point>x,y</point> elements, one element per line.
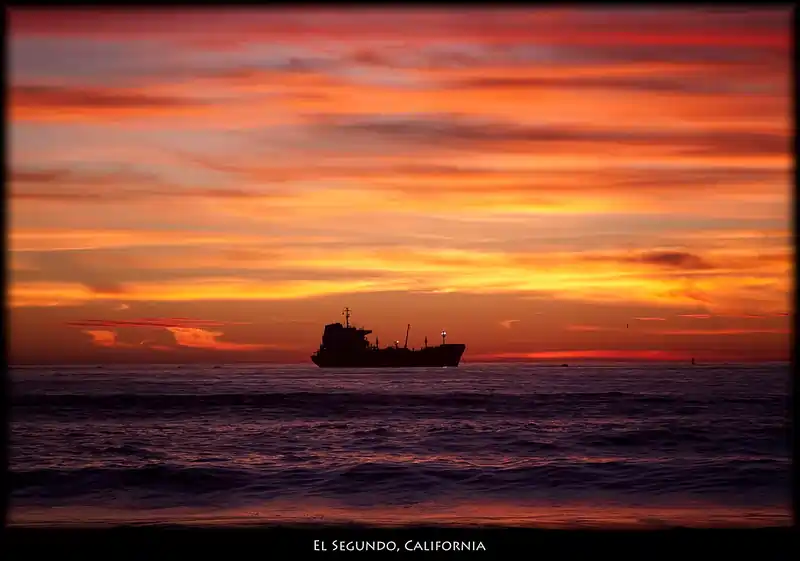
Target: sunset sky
<point>556,184</point>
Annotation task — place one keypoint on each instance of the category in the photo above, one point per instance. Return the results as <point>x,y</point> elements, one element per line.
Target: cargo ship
<point>344,346</point>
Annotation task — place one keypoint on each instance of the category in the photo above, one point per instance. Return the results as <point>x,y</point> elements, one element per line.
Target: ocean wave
<point>392,480</point>
<point>159,439</point>
<point>366,404</point>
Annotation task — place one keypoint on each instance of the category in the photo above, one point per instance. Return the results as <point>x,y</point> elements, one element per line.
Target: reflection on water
<point>486,514</point>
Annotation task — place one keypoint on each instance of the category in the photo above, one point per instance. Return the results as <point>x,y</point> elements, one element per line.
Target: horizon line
<point>309,363</point>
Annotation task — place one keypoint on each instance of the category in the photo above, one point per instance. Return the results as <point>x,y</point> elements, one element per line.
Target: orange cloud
<point>201,339</point>
<point>106,338</point>
<point>308,271</point>
<point>102,338</point>
<point>187,332</point>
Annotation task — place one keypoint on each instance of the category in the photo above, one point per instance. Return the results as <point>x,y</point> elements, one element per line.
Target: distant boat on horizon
<point>344,346</point>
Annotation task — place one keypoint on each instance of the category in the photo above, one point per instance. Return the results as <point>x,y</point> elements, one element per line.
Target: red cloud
<point>731,331</point>
<point>165,323</point>
<point>592,328</point>
<point>593,354</point>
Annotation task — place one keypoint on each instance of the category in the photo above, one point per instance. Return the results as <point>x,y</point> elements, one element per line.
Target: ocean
<point>484,444</point>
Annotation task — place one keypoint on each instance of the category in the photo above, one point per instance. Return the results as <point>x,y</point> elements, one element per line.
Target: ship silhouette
<point>344,346</point>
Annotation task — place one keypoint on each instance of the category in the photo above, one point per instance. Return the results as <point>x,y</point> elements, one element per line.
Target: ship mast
<point>407,330</point>
<point>346,314</point>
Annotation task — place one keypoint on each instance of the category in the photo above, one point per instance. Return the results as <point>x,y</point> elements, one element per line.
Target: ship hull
<point>430,357</point>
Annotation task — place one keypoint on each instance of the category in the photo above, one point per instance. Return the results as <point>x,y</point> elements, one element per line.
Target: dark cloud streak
<point>150,322</point>
<point>57,97</point>
<point>76,185</point>
<point>677,85</point>
<point>670,259</point>
<point>678,259</point>
<point>436,130</point>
